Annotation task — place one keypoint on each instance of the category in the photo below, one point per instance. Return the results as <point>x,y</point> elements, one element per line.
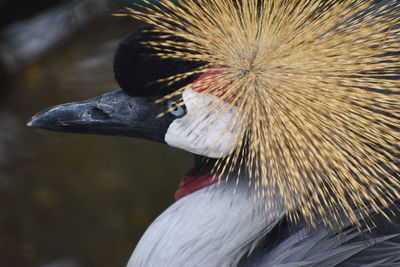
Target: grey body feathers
<point>211,227</point>
<point>217,227</point>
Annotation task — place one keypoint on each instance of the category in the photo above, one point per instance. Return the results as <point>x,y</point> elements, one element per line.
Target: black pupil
<point>175,106</point>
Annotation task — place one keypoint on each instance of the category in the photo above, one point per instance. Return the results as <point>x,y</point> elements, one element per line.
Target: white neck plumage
<point>215,226</point>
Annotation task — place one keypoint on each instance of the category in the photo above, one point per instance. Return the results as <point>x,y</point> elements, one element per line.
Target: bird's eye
<point>177,109</point>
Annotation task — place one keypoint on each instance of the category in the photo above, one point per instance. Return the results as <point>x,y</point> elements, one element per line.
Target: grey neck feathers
<point>215,226</point>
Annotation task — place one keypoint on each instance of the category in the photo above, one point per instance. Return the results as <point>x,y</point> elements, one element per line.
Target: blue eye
<point>176,108</point>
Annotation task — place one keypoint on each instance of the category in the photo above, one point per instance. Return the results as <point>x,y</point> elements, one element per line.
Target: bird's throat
<point>193,183</point>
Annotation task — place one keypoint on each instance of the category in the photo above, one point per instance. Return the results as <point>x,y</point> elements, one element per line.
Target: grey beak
<point>114,113</point>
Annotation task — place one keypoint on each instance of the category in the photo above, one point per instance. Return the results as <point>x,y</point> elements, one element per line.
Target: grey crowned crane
<point>221,217</point>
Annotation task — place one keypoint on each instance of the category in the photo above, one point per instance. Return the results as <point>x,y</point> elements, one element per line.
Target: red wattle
<point>192,184</point>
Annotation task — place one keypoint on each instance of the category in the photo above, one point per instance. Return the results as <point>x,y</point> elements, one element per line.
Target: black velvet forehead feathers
<point>137,70</point>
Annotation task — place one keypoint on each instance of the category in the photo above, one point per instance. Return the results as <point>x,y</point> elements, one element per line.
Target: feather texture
<point>316,86</point>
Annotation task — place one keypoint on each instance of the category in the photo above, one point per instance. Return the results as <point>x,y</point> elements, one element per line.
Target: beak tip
<point>39,120</point>
<point>31,122</point>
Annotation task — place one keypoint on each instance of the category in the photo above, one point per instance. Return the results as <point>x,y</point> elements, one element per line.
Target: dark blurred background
<point>71,200</point>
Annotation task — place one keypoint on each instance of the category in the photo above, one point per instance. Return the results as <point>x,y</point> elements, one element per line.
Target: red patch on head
<point>206,80</point>
<point>208,83</point>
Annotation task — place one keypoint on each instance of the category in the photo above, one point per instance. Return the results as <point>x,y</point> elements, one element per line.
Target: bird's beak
<point>115,114</point>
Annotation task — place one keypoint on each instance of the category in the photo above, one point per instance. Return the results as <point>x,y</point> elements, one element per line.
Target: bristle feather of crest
<point>317,87</point>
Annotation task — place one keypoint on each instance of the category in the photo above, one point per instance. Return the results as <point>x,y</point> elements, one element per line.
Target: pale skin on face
<point>204,130</point>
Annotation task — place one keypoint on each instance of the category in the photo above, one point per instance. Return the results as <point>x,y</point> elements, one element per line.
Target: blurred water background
<point>71,200</point>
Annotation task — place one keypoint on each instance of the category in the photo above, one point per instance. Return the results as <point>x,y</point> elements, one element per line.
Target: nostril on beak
<point>98,114</point>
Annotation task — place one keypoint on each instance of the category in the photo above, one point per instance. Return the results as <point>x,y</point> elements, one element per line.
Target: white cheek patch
<point>207,129</point>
